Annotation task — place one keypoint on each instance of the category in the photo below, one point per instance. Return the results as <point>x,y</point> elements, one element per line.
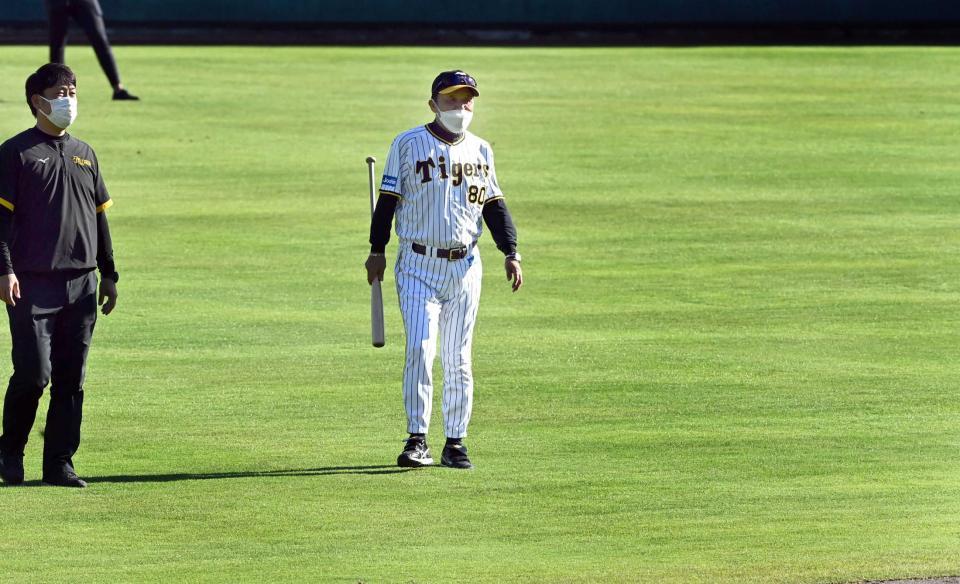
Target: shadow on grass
<point>295,472</point>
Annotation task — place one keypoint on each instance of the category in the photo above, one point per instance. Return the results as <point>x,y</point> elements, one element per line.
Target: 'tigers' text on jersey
<point>458,170</point>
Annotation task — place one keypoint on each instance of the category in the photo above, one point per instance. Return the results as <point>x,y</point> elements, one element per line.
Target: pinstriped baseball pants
<point>438,296</point>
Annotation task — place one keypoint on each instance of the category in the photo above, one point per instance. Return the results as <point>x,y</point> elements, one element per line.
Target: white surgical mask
<point>63,111</point>
<point>455,120</point>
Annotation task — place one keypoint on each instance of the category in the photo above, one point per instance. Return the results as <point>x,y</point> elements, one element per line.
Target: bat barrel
<point>378,336</point>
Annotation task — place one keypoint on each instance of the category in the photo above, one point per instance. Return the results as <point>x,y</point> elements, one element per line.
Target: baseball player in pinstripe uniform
<point>439,182</point>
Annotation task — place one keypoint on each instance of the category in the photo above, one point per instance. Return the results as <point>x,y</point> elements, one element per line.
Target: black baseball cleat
<point>67,478</point>
<point>455,456</point>
<point>11,468</point>
<point>124,95</point>
<point>415,454</point>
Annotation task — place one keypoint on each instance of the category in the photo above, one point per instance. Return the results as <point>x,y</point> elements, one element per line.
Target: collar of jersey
<point>47,136</point>
<point>443,135</point>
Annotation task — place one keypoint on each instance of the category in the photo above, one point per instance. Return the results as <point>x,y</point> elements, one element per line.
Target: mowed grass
<point>735,358</point>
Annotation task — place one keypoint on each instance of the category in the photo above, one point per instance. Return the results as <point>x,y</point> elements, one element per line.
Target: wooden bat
<point>376,292</point>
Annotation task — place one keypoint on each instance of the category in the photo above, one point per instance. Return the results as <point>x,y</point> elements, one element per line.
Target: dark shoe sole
<point>78,484</point>
<point>460,465</point>
<point>407,462</point>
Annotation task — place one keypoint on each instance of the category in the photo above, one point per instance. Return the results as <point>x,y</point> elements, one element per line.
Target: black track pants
<point>51,328</point>
<point>89,16</point>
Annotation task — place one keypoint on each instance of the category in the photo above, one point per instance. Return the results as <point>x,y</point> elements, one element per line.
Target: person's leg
<point>457,319</point>
<point>70,346</point>
<point>58,18</point>
<point>420,310</point>
<point>90,17</point>
<point>32,322</point>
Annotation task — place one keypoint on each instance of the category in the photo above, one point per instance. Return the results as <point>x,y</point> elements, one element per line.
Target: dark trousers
<point>89,16</point>
<point>51,327</point>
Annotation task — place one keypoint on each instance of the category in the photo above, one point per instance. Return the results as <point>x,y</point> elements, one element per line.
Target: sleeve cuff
<point>391,193</point>
<point>6,204</point>
<point>103,207</point>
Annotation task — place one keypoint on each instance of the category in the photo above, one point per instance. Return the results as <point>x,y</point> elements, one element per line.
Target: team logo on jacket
<point>82,162</point>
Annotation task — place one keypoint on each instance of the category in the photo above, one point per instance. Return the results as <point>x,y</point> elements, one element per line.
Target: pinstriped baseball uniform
<point>442,187</point>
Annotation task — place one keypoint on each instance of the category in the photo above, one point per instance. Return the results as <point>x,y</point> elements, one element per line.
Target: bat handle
<point>371,161</point>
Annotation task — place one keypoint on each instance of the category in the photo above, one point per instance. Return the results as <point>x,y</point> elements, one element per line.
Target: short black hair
<point>50,75</point>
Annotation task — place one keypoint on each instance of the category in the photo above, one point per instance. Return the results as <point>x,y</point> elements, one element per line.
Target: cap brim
<point>453,88</point>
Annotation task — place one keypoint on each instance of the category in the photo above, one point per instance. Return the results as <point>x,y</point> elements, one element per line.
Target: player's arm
<point>106,265</point>
<point>108,269</point>
<point>391,193</point>
<point>9,285</point>
<point>9,179</point>
<point>504,232</point>
<point>380,236</point>
<point>500,223</point>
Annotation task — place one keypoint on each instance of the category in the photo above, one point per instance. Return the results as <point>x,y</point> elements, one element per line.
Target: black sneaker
<point>455,456</point>
<point>415,453</point>
<point>124,95</point>
<point>11,468</point>
<point>67,478</point>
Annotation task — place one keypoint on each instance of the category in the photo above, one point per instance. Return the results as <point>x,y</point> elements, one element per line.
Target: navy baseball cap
<point>450,81</point>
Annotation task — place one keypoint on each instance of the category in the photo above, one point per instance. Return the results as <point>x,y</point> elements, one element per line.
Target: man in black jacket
<point>53,233</point>
<point>89,16</point>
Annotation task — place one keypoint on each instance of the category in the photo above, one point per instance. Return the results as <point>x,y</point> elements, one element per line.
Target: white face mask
<point>455,120</point>
<point>63,111</point>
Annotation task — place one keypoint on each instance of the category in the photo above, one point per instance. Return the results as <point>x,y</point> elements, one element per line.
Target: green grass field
<point>735,358</point>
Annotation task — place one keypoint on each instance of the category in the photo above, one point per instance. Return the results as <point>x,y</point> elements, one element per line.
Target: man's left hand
<point>514,273</point>
<point>108,292</point>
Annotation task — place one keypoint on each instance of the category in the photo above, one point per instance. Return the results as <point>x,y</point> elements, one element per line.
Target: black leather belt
<point>457,253</point>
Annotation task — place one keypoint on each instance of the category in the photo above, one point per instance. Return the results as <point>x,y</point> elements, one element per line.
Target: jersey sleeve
<point>392,182</point>
<point>100,195</point>
<point>493,187</point>
<point>9,177</point>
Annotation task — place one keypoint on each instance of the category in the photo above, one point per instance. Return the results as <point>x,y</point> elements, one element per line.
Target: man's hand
<point>9,289</point>
<point>375,265</point>
<point>514,273</point>
<point>108,292</point>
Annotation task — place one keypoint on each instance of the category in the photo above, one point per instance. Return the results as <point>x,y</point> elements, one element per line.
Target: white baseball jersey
<point>442,187</point>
